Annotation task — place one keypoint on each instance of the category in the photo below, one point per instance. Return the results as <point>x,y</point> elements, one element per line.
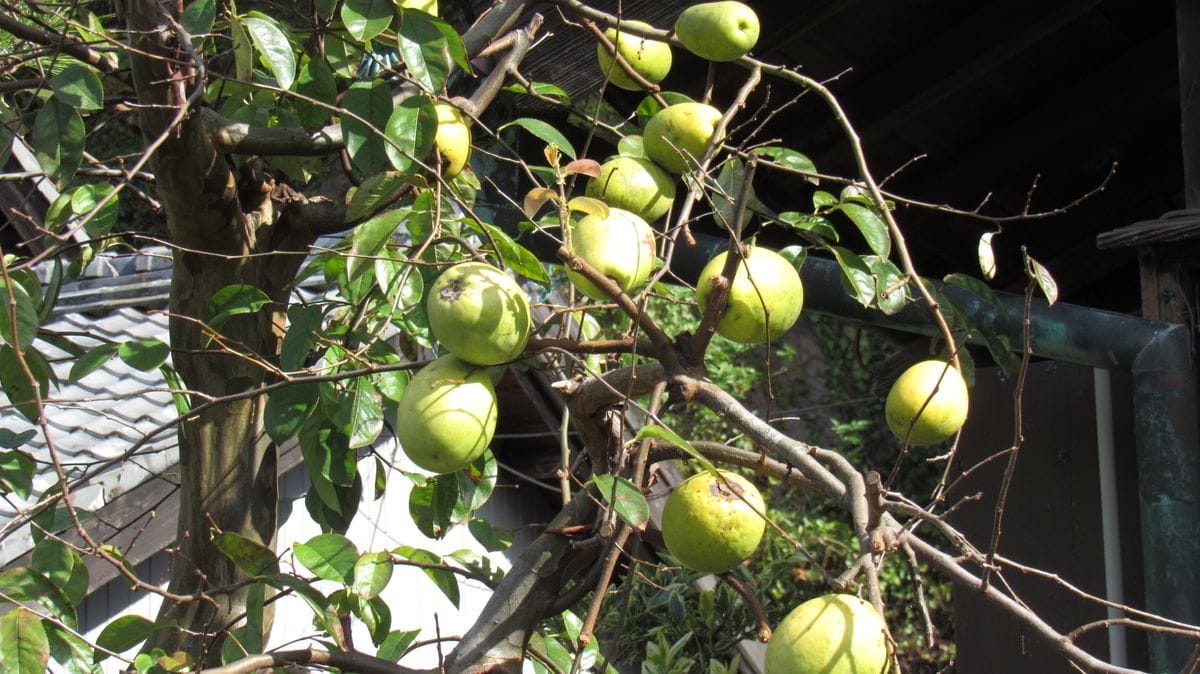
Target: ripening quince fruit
<point>831,634</point>
<point>718,31</point>
<point>447,415</point>
<point>620,246</point>
<point>677,136</point>
<point>634,184</point>
<point>479,313</point>
<point>938,420</point>
<point>649,58</point>
<point>763,304</point>
<point>427,6</point>
<point>711,524</point>
<point>453,139</point>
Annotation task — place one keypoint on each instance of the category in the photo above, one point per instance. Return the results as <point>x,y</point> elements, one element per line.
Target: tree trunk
<point>227,466</point>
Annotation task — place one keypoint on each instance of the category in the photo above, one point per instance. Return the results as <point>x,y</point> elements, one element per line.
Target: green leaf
<point>625,498</point>
<point>198,17</point>
<point>445,580</point>
<point>424,49</point>
<point>144,354</point>
<point>17,470</point>
<point>71,652</point>
<point>234,300</point>
<point>50,299</point>
<point>1044,280</point>
<point>891,295</point>
<point>541,89</point>
<point>402,282</point>
<point>516,257</point>
<point>376,192</point>
<point>124,633</point>
<point>454,43</point>
<point>288,409</point>
<point>368,239</point>
<point>631,146</point>
<point>243,52</point>
<point>11,440</point>
<point>791,159</point>
<point>432,505</point>
<point>365,19</point>
<point>274,49</point>
<point>823,199</point>
<point>544,131</point>
<point>475,485</point>
<point>250,556</point>
<point>856,275</point>
<point>18,321</point>
<point>79,87</point>
<point>369,105</point>
<point>16,383</point>
<point>493,539</point>
<point>92,360</point>
<point>411,131</point>
<point>328,456</point>
<point>61,566</point>
<point>1002,351</point>
<point>650,107</point>
<point>330,556</point>
<point>366,415</point>
<point>667,435</point>
<point>303,323</point>
<point>315,81</point>
<point>372,573</point>
<point>58,139</point>
<point>22,584</point>
<point>804,222</point>
<point>396,644</point>
<point>92,202</point>
<point>24,648</point>
<point>872,226</point>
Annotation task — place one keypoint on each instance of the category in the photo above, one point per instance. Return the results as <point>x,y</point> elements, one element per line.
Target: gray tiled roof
<point>96,420</point>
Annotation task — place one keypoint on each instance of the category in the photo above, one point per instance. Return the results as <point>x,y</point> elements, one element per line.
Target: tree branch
<point>351,662</point>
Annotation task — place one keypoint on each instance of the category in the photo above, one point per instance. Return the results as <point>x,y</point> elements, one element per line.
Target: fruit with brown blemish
<point>713,521</point>
<point>479,313</point>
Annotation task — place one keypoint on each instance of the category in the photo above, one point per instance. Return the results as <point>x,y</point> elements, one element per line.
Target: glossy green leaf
<point>369,239</point>
<point>790,159</point>
<point>17,470</point>
<point>198,17</point>
<point>144,354</point>
<point>247,638</point>
<point>372,573</point>
<point>79,87</point>
<point>58,139</point>
<point>243,52</point>
<point>303,323</point>
<point>872,226</point>
<point>857,278</point>
<point>665,434</point>
<point>411,131</point>
<point>315,81</point>
<point>454,43</point>
<point>234,300</point>
<point>650,107</point>
<point>517,257</point>
<point>92,361</point>
<point>544,89</point>
<point>545,132</point>
<point>987,255</point>
<point>366,417</point>
<point>288,409</point>
<point>22,584</point>
<point>374,194</point>
<point>250,556</point>
<point>275,51</point>
<point>24,648</point>
<point>475,485</point>
<point>432,505</point>
<point>18,320</point>
<point>125,633</point>
<point>327,453</point>
<point>368,106</point>
<point>445,580</point>
<point>629,502</point>
<point>12,440</point>
<point>396,644</point>
<point>16,384</point>
<point>423,48</point>
<point>891,294</point>
<point>817,224</point>
<point>400,281</point>
<point>330,556</point>
<point>71,652</point>
<point>365,19</point>
<point>493,539</point>
<point>63,567</point>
